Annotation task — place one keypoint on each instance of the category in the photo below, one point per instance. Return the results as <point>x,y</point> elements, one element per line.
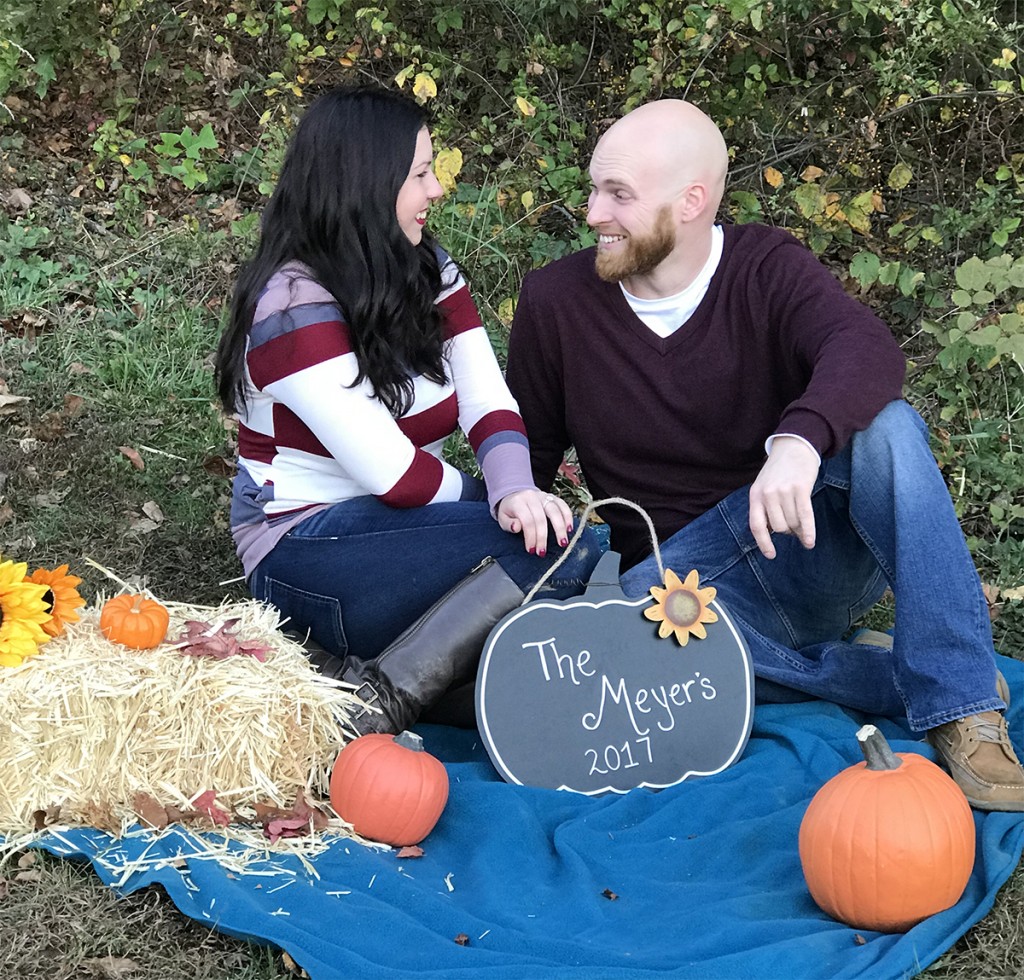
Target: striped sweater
<point>308,439</point>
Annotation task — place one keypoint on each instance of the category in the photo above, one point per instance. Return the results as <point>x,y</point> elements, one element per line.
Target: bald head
<point>667,145</point>
<point>657,179</point>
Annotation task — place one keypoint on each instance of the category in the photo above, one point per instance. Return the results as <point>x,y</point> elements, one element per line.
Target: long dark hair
<point>334,210</point>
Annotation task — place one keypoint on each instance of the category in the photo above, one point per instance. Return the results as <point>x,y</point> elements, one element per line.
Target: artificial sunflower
<point>22,613</point>
<point>61,597</point>
<point>682,607</point>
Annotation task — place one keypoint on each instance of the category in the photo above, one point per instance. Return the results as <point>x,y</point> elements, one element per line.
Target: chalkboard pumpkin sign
<point>588,694</point>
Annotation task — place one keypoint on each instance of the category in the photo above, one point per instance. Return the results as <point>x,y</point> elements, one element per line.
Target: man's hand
<point>780,497</point>
<point>530,511</point>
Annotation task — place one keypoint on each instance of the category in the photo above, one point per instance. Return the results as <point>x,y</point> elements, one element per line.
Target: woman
<point>352,351</point>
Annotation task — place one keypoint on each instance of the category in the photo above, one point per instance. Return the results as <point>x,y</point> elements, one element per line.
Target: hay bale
<point>87,724</point>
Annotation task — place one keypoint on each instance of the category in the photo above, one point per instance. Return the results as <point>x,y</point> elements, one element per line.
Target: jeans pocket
<point>312,611</point>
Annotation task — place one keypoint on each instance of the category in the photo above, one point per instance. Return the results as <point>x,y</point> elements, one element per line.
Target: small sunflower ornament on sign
<point>612,703</point>
<point>682,607</point>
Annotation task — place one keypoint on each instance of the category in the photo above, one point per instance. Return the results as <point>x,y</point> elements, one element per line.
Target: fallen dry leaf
<point>462,939</point>
<point>206,805</point>
<point>19,199</point>
<point>101,816</point>
<point>859,939</point>
<point>301,820</point>
<point>28,876</point>
<point>142,525</point>
<point>43,818</point>
<point>205,640</point>
<point>73,405</point>
<point>134,458</point>
<point>995,607</point>
<point>152,510</point>
<point>609,894</point>
<point>411,851</point>
<point>219,466</point>
<point>27,859</point>
<point>7,402</point>
<point>571,472</point>
<point>292,967</point>
<point>150,811</point>
<point>112,967</point>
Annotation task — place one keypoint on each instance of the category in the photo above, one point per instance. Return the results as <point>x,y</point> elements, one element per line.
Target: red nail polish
<point>541,554</point>
<point>533,551</point>
<point>563,542</point>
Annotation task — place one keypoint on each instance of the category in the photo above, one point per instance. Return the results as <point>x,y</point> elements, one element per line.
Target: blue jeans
<point>357,574</point>
<point>883,516</point>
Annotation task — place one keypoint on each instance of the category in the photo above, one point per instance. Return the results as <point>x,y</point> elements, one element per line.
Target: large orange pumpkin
<point>887,842</point>
<point>389,788</point>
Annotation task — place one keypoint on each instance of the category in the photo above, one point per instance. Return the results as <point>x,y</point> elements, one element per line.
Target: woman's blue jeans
<point>357,574</point>
<point>883,516</point>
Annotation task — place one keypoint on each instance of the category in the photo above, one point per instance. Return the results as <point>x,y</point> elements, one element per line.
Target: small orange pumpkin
<point>389,788</point>
<point>887,842</point>
<point>135,621</point>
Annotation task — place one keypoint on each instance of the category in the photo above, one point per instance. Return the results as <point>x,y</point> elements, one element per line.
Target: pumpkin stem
<point>410,740</point>
<point>876,749</point>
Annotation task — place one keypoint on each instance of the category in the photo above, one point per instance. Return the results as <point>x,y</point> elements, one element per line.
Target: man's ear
<point>692,201</point>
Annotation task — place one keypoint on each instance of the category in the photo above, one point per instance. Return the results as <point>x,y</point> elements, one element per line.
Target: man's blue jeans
<point>357,574</point>
<point>883,515</point>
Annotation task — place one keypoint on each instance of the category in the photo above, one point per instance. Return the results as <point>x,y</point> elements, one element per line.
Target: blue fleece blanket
<point>701,880</point>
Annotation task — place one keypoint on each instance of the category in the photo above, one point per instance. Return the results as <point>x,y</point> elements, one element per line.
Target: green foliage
<point>39,36</point>
<point>987,309</point>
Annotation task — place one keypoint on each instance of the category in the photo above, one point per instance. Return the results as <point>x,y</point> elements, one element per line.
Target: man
<point>720,377</point>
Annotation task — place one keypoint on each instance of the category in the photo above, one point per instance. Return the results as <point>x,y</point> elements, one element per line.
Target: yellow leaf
<point>900,176</point>
<point>1008,55</point>
<point>772,177</point>
<point>858,212</point>
<point>1014,594</point>
<point>447,165</point>
<point>403,76</point>
<point>506,309</point>
<point>125,159</point>
<point>525,107</point>
<point>423,87</point>
<point>527,199</point>
<point>811,173</point>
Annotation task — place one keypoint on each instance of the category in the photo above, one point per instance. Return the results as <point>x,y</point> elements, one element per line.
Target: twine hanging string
<point>582,523</point>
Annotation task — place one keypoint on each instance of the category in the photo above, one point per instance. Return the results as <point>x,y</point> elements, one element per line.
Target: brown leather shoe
<point>977,752</point>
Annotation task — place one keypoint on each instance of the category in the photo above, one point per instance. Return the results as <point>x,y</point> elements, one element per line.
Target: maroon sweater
<point>676,424</point>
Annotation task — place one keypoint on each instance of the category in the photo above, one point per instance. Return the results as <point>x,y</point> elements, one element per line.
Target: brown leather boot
<point>977,752</point>
<point>438,652</point>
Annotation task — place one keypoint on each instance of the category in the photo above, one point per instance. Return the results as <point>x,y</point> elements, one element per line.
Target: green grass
<point>61,923</point>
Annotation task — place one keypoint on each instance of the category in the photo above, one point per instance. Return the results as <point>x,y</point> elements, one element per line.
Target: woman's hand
<point>530,511</point>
